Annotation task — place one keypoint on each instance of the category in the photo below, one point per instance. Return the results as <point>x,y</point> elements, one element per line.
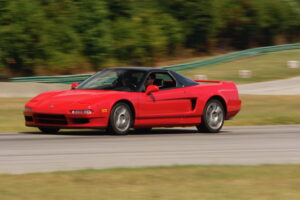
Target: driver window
<point>162,80</point>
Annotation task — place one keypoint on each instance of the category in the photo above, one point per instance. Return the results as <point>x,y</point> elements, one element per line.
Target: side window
<point>164,81</point>
<point>137,77</point>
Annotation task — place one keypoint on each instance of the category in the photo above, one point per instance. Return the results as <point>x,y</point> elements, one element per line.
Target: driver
<point>150,80</point>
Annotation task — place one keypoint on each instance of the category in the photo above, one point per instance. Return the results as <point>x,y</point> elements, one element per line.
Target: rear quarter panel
<point>225,90</point>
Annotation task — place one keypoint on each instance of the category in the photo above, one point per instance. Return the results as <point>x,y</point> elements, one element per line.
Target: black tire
<point>49,130</point>
<point>213,116</point>
<point>143,130</point>
<point>120,119</point>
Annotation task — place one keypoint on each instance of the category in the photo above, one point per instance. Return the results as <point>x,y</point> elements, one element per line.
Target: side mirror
<point>74,85</point>
<point>151,88</point>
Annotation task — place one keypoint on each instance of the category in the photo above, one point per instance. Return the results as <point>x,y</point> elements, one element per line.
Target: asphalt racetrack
<point>35,152</point>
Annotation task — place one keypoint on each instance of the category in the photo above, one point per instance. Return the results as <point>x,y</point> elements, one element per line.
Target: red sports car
<point>118,99</point>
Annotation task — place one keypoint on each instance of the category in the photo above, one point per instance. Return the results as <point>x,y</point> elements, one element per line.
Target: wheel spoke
<point>218,110</point>
<point>122,111</point>
<point>211,118</point>
<point>118,123</point>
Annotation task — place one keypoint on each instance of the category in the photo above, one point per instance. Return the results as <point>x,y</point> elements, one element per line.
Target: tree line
<point>69,36</point>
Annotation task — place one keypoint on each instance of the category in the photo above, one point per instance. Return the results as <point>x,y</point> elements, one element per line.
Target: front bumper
<point>58,120</point>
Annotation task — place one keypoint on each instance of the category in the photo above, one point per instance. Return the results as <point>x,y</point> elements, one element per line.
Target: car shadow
<point>72,133</point>
<point>158,131</point>
<point>162,131</point>
<point>174,131</point>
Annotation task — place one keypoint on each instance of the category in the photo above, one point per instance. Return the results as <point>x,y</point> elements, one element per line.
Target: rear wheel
<point>49,130</point>
<point>120,119</point>
<point>212,118</point>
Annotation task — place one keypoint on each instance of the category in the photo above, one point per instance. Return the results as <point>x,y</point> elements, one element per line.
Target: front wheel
<point>120,119</point>
<point>49,130</point>
<point>212,118</point>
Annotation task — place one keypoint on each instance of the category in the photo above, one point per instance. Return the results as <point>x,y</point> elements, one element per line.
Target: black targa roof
<point>182,80</point>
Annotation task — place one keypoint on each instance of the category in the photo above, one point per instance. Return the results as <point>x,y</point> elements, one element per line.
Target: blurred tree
<point>92,25</point>
<point>119,8</point>
<point>198,21</point>
<point>23,42</point>
<point>240,22</point>
<point>173,31</point>
<point>292,26</point>
<point>3,10</point>
<point>29,38</point>
<point>124,39</point>
<point>271,19</point>
<point>56,35</point>
<point>149,40</point>
<point>147,35</point>
<point>64,43</point>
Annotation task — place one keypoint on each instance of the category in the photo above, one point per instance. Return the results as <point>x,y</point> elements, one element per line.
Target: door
<point>165,107</point>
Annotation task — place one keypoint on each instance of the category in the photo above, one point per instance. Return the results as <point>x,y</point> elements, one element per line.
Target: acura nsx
<point>118,99</point>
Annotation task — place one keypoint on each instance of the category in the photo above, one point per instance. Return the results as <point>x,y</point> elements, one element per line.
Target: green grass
<point>266,182</point>
<point>11,117</point>
<point>256,110</point>
<point>268,110</point>
<point>264,68</point>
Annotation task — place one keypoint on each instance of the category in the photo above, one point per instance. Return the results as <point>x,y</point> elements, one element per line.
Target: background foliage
<point>69,36</point>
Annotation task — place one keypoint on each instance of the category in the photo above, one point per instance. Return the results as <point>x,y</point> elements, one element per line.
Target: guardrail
<point>52,79</point>
<point>179,67</point>
<point>232,56</point>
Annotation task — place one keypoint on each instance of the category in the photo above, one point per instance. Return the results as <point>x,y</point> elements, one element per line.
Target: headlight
<point>28,109</point>
<point>81,111</point>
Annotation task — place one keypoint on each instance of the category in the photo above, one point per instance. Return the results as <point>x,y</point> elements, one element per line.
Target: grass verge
<point>274,182</point>
<point>256,110</point>
<point>264,68</point>
<point>11,117</point>
<point>267,110</point>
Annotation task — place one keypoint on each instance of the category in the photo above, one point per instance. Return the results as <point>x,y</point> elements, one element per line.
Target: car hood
<point>70,98</point>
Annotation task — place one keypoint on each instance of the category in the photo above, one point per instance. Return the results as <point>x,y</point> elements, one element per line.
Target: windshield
<point>114,79</point>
